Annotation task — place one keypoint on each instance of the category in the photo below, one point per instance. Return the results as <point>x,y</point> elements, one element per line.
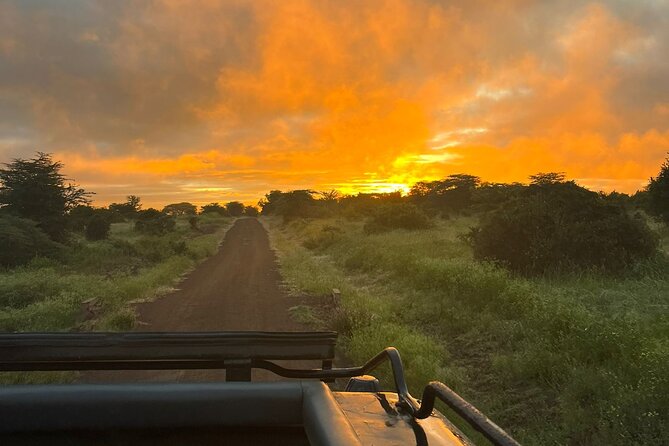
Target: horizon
<point>199,203</point>
<point>224,101</point>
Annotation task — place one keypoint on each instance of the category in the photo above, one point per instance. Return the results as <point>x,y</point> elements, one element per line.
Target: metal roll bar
<point>232,351</point>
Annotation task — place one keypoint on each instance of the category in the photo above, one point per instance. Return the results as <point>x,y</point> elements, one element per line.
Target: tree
<point>35,189</point>
<point>152,221</point>
<point>235,208</point>
<point>214,208</point>
<point>290,205</point>
<point>542,179</point>
<point>79,216</point>
<point>98,226</point>
<point>330,196</point>
<point>251,211</point>
<point>658,193</point>
<point>453,193</point>
<point>176,209</point>
<point>129,209</point>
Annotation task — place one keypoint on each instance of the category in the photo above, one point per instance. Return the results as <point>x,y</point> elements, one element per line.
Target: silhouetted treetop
<point>36,189</point>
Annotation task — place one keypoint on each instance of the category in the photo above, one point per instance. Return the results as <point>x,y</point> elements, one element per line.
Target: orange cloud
<point>210,100</point>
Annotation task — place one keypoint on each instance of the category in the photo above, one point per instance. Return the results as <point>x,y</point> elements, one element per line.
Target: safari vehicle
<point>302,411</point>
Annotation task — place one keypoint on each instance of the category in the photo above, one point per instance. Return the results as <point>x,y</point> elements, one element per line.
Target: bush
<point>152,221</point>
<point>251,211</point>
<point>397,216</point>
<point>21,240</point>
<point>98,226</point>
<point>235,208</point>
<point>193,222</point>
<point>78,217</point>
<point>562,226</point>
<point>658,193</point>
<point>214,208</point>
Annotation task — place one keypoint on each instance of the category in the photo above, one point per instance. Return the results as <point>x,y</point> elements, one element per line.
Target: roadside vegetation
<point>546,305</point>
<point>65,265</point>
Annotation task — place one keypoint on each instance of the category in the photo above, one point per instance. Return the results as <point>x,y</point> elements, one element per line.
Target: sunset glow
<point>207,101</point>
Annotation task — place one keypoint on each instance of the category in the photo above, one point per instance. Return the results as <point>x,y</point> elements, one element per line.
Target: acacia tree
<point>129,209</point>
<point>453,193</point>
<point>658,193</point>
<point>183,208</point>
<point>35,189</point>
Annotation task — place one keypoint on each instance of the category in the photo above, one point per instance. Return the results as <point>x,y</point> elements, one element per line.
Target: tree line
<point>548,223</point>
<point>40,209</point>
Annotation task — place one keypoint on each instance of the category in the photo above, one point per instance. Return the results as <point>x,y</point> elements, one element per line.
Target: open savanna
<point>577,358</point>
<point>91,284</point>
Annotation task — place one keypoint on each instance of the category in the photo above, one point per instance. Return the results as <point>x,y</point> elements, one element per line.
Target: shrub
<point>98,226</point>
<point>214,208</point>
<point>21,240</point>
<point>323,238</point>
<point>658,193</point>
<point>234,208</point>
<point>562,226</point>
<point>152,221</point>
<point>79,216</point>
<point>251,211</point>
<point>397,216</point>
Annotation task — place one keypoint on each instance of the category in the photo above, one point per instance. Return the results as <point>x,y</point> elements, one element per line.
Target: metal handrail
<point>44,359</point>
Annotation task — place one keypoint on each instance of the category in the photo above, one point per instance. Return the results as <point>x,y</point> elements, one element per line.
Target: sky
<point>213,101</point>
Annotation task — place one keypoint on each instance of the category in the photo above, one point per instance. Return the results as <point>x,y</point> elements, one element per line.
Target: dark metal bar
<point>238,371</point>
<point>468,412</point>
<point>86,351</point>
<point>236,352</point>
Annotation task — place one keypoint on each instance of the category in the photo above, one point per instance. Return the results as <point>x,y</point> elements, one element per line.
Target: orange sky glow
<point>205,101</point>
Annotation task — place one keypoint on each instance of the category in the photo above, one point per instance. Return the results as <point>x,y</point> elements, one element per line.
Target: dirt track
<point>238,288</point>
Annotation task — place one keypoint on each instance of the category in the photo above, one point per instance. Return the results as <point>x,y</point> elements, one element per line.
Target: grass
<point>557,360</point>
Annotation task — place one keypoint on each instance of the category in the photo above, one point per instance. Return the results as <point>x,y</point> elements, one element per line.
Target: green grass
<point>557,360</point>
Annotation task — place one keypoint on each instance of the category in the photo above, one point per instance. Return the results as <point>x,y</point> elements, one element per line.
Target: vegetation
<point>251,211</point>
<point>557,225</point>
<point>22,240</point>
<point>397,216</point>
<point>235,208</point>
<point>452,194</point>
<point>98,225</point>
<point>569,359</point>
<point>214,208</point>
<point>127,210</point>
<point>290,205</point>
<point>49,295</point>
<point>658,193</point>
<point>183,208</point>
<point>36,189</point>
<point>571,351</point>
<point>152,221</point>
<point>102,264</point>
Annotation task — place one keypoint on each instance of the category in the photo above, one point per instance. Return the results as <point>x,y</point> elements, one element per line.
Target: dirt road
<point>238,288</point>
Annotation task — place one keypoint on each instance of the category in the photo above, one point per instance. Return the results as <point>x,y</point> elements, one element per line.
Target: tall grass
<point>558,360</point>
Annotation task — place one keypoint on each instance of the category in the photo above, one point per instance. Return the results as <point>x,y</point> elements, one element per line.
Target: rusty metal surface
<point>376,422</point>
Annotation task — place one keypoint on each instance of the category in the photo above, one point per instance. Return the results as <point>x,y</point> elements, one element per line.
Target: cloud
<point>175,98</point>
